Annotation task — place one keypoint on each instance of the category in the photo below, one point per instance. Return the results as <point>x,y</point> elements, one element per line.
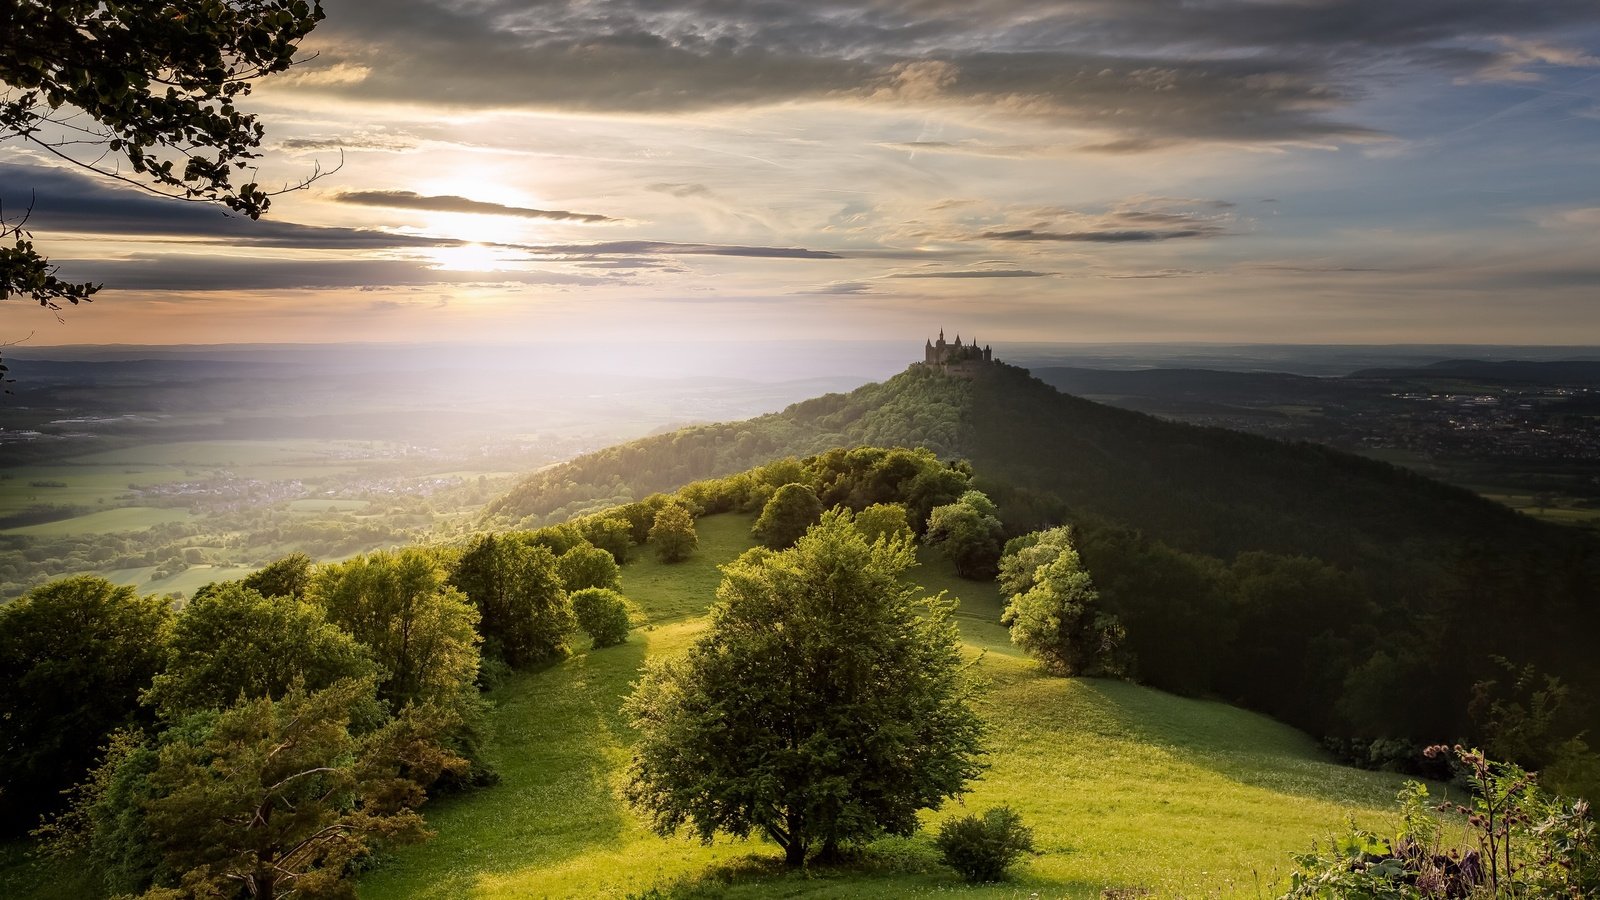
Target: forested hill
<point>1048,456</point>
<point>1197,535</point>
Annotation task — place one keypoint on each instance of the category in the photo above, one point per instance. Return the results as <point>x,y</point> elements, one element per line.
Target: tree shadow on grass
<point>891,867</point>
<point>558,742</point>
<point>1242,746</point>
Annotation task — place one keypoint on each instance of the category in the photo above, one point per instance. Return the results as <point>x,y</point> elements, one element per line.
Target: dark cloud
<point>450,203</point>
<point>840,289</point>
<point>364,140</point>
<point>666,248</point>
<point>65,201</point>
<point>161,272</point>
<point>1141,220</point>
<point>975,273</point>
<point>1095,237</point>
<point>1149,73</point>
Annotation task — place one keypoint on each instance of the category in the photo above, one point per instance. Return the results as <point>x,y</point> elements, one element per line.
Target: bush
<point>981,848</point>
<point>602,614</point>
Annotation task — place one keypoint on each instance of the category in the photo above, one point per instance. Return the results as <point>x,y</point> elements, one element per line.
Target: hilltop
<point>1049,456</point>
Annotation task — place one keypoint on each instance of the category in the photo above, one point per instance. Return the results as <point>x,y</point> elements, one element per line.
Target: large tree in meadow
<point>826,704</point>
<point>74,655</point>
<point>673,533</point>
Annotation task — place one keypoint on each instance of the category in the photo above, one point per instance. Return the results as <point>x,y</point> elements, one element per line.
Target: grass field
<point>1125,787</point>
<point>122,518</point>
<point>23,487</point>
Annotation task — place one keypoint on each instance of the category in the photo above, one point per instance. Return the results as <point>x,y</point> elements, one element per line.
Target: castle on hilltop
<point>956,357</point>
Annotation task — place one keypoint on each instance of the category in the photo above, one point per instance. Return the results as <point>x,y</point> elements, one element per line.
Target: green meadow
<point>122,518</point>
<point>1126,788</point>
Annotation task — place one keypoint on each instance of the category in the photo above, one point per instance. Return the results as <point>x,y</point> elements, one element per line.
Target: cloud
<point>1094,237</point>
<point>975,273</point>
<point>841,289</point>
<point>1147,75</point>
<point>1137,220</point>
<point>1514,63</point>
<point>680,190</point>
<point>184,272</point>
<point>65,201</point>
<point>360,140</point>
<point>973,148</point>
<point>667,248</point>
<point>450,203</point>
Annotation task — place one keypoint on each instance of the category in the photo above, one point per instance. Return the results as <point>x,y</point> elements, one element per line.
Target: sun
<point>468,258</point>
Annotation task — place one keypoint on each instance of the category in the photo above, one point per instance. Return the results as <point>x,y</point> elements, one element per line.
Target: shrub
<point>602,614</point>
<point>981,848</point>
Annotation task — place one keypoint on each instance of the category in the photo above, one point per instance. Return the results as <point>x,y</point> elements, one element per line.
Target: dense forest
<point>1351,597</point>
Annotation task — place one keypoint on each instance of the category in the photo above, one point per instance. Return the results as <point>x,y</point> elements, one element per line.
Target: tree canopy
<point>1055,613</point>
<point>673,533</point>
<point>827,703</point>
<point>792,509</point>
<point>233,643</point>
<point>268,798</point>
<point>968,531</point>
<point>419,628</point>
<point>74,655</point>
<point>516,587</point>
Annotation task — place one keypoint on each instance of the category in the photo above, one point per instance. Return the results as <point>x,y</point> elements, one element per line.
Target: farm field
<point>124,518</point>
<point>1124,786</point>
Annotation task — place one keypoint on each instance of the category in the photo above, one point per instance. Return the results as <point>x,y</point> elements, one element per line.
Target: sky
<point>1316,171</point>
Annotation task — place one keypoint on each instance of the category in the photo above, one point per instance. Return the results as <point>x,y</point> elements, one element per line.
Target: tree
<point>147,83</point>
<point>602,614</point>
<point>827,703</point>
<point>516,587</point>
<point>270,798</point>
<point>1058,620</point>
<point>418,627</point>
<point>74,655</point>
<point>234,643</point>
<point>883,520</point>
<point>968,532</point>
<point>285,577</point>
<point>587,566</point>
<point>611,533</point>
<point>673,533</point>
<point>792,510</point>
<point>1026,555</point>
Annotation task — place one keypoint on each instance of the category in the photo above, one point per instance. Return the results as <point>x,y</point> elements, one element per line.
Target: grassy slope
<point>1124,786</point>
